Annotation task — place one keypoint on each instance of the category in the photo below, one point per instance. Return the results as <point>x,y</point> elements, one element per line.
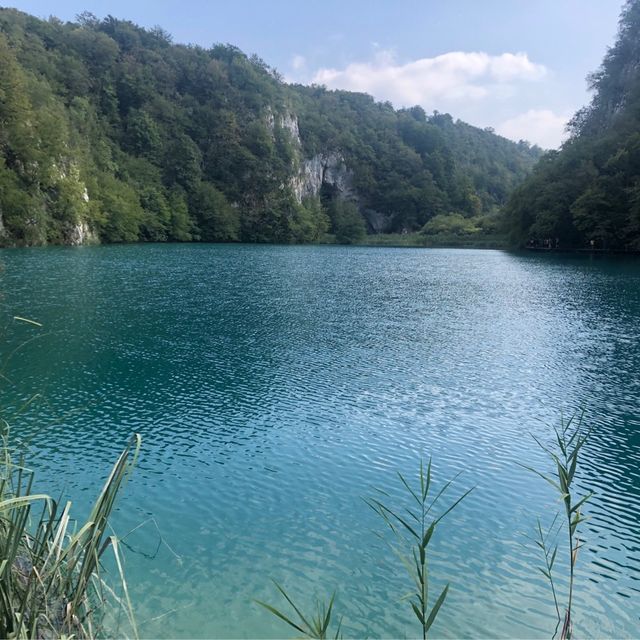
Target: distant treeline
<point>112,133</point>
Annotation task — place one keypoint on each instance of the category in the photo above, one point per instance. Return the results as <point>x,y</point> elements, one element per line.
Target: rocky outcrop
<point>80,234</point>
<point>377,222</point>
<point>311,173</point>
<point>289,122</point>
<point>330,168</point>
<point>286,120</point>
<point>323,168</point>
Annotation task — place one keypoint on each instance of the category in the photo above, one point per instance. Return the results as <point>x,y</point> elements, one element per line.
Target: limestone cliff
<point>80,234</point>
<point>326,168</point>
<point>309,174</point>
<point>323,168</point>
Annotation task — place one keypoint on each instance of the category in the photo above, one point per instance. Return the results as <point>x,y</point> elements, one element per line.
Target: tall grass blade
<point>50,582</point>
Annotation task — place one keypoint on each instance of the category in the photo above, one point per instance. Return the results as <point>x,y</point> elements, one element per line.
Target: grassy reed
<point>51,582</point>
<point>413,528</point>
<point>310,626</point>
<point>569,440</point>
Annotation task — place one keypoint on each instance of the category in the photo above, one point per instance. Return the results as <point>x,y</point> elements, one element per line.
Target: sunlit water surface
<point>275,387</point>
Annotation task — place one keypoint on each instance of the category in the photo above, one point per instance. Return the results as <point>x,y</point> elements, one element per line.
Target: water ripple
<point>276,386</point>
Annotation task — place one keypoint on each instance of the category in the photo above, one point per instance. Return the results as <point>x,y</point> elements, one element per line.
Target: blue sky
<point>518,66</point>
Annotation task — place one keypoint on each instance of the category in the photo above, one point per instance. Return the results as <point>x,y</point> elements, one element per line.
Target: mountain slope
<point>109,132</point>
<point>590,189</point>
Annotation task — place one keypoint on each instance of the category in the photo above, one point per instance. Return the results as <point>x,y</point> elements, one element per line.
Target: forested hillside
<point>112,133</point>
<point>590,189</point>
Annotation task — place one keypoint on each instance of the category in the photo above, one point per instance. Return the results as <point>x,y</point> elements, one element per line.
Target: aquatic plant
<point>51,574</point>
<point>414,528</point>
<point>569,440</point>
<point>311,626</point>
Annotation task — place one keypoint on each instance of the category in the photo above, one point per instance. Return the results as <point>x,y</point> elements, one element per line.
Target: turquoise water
<point>274,387</point>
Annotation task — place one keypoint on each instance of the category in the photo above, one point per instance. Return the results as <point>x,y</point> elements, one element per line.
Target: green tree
<point>586,191</point>
<point>347,224</point>
<point>181,228</point>
<point>121,209</point>
<point>155,121</point>
<point>217,220</point>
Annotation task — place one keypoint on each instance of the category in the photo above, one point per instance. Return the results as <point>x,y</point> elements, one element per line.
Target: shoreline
<point>388,241</point>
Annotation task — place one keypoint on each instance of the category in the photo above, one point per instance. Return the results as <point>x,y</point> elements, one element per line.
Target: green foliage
<point>346,222</point>
<point>588,191</point>
<point>182,164</point>
<point>310,221</point>
<point>51,579</point>
<point>143,134</point>
<point>106,124</point>
<point>19,211</point>
<point>181,225</point>
<point>217,220</point>
<point>122,212</point>
<point>452,223</point>
<point>156,219</point>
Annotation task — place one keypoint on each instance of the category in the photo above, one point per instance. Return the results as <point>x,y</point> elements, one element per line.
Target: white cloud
<point>456,76</point>
<point>539,126</point>
<point>483,89</point>
<point>298,62</point>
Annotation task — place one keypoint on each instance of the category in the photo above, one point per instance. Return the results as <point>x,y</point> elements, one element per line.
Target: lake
<point>275,387</point>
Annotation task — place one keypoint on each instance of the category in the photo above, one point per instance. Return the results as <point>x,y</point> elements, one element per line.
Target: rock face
<point>81,234</point>
<point>376,221</point>
<point>309,174</point>
<point>330,168</point>
<point>287,121</point>
<point>323,168</point>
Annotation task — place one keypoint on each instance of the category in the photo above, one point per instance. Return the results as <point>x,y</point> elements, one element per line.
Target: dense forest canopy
<point>589,191</point>
<point>110,132</point>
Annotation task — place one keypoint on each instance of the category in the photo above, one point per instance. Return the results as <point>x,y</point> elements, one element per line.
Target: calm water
<point>275,386</point>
